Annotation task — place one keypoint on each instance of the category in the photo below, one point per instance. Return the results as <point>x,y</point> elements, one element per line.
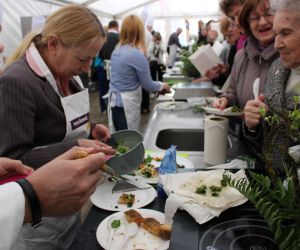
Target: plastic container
<point>129,161</point>
<point>167,166</point>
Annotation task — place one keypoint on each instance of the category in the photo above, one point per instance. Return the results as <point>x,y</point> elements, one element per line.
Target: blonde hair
<point>133,33</point>
<point>224,24</point>
<point>73,24</point>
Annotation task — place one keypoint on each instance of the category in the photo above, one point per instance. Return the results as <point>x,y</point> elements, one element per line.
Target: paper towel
<point>215,139</point>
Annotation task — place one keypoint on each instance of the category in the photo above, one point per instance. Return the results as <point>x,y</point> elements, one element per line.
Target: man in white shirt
<point>57,196</point>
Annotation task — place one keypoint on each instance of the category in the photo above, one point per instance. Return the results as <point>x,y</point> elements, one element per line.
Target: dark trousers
<point>145,100</point>
<point>103,87</point>
<point>119,118</point>
<point>156,71</point>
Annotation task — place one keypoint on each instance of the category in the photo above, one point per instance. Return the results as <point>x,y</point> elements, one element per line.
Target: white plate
<point>225,112</point>
<point>173,105</point>
<point>105,199</point>
<point>180,160</point>
<point>142,240</point>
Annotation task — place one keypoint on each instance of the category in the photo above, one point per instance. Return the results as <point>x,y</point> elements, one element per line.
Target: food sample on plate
<point>151,225</point>
<point>149,168</point>
<point>235,108</point>
<point>127,199</point>
<point>134,216</point>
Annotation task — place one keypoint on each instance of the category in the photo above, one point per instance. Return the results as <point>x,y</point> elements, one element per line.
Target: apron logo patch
<point>78,122</point>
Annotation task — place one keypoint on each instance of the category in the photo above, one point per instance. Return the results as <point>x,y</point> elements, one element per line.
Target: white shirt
<point>293,82</point>
<point>12,211</point>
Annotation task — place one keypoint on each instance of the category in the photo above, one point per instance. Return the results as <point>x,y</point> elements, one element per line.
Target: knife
<point>127,186</point>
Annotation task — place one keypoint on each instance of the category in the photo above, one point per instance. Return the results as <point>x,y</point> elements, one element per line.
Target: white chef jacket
<point>12,211</point>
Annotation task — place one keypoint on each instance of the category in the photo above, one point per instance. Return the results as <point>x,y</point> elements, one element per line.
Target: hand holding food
<point>220,103</point>
<point>252,114</point>
<point>98,145</point>
<point>165,89</point>
<point>83,154</point>
<point>70,182</point>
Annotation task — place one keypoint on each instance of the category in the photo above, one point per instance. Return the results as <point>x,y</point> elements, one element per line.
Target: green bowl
<point>129,161</point>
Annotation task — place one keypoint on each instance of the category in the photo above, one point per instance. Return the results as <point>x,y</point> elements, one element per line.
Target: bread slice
<point>165,231</point>
<point>152,226</point>
<point>133,216</point>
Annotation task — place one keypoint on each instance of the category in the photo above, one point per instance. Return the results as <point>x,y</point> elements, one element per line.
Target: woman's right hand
<point>99,146</point>
<point>251,110</point>
<point>165,89</point>
<point>220,103</point>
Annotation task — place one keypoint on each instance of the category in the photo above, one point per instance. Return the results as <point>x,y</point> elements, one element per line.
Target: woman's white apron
<point>132,108</point>
<point>59,233</point>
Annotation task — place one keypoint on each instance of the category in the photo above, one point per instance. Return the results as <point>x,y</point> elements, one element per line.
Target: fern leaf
<point>286,243</point>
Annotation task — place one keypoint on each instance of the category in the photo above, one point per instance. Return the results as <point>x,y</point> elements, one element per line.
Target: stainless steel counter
<point>173,119</point>
<point>181,118</point>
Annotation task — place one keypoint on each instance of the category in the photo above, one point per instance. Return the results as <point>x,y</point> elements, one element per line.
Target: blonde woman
<point>44,109</point>
<point>129,73</point>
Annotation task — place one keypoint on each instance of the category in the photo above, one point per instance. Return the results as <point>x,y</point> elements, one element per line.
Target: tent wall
<point>11,34</point>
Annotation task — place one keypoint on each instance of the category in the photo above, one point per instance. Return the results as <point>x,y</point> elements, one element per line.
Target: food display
<point>127,199</point>
<point>150,224</point>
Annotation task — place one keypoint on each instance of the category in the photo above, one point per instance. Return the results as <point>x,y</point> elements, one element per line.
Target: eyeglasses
<point>256,18</point>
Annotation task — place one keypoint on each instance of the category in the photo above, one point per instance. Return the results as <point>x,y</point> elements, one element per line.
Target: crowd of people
<point>45,116</point>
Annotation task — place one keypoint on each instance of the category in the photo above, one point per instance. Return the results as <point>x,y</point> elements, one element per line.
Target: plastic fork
<point>131,230</point>
<point>256,88</point>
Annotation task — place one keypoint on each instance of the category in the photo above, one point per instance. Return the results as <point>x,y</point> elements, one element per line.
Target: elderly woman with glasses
<point>283,78</point>
<point>253,61</point>
<point>44,109</point>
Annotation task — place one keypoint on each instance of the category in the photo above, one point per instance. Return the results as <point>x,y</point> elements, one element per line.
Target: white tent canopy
<point>166,15</point>
<point>158,8</point>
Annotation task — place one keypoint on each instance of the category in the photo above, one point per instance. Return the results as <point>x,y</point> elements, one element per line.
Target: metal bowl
<point>127,162</point>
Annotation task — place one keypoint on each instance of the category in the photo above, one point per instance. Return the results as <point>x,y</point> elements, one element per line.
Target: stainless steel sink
<point>184,139</point>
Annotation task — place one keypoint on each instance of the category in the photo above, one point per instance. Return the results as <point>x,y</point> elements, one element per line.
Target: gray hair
<point>277,5</point>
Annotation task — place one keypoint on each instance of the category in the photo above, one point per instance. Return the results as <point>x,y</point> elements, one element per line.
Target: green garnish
<point>148,159</point>
<point>115,223</point>
<point>235,108</point>
<point>215,194</point>
<point>223,182</point>
<point>215,189</point>
<point>198,108</point>
<point>201,189</point>
<point>130,200</point>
